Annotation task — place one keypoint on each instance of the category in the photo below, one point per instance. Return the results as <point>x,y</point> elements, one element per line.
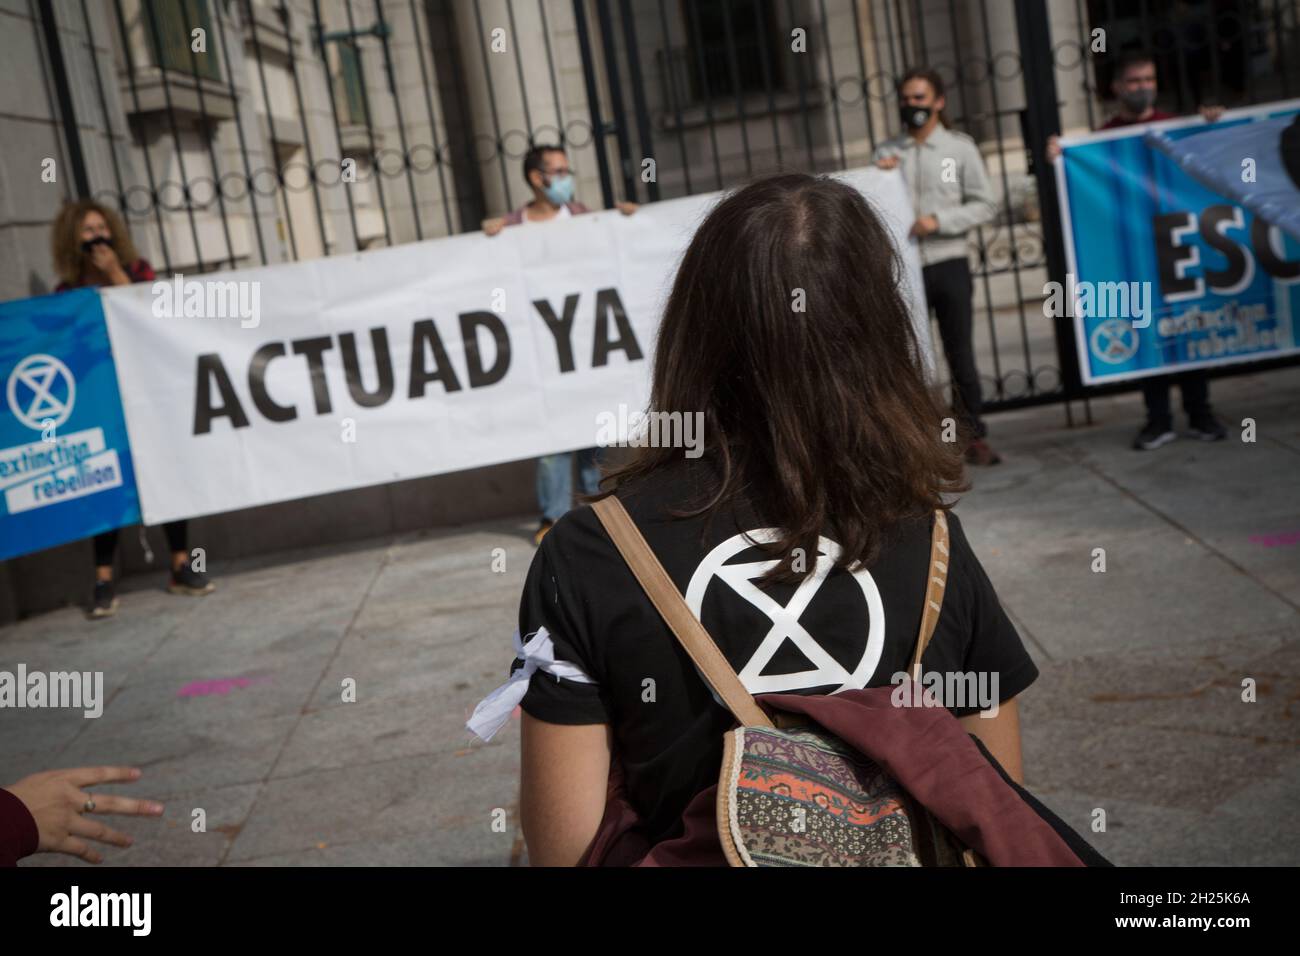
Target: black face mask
<point>915,116</point>
<point>97,241</point>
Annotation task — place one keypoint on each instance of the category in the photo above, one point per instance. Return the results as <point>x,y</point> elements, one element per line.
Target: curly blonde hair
<point>65,238</point>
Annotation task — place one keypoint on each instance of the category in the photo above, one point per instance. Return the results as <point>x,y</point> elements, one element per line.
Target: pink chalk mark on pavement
<point>1283,539</point>
<point>222,686</point>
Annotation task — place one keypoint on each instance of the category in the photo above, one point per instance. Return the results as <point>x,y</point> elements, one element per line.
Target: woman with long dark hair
<point>801,537</point>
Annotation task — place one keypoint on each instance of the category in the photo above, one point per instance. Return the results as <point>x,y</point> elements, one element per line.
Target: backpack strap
<point>934,589</point>
<point>670,604</point>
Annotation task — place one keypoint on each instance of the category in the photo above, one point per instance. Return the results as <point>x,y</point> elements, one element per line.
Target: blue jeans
<point>555,480</point>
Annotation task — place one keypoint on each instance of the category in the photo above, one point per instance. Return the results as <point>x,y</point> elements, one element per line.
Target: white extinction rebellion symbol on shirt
<point>785,620</point>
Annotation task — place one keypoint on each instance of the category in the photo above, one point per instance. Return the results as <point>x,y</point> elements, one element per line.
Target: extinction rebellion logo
<point>41,392</point>
<point>738,580</point>
<point>1114,341</point>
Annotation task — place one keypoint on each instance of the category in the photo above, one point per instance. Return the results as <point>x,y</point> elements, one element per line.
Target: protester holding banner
<point>1134,85</point>
<point>951,195</point>
<point>547,172</point>
<point>92,247</point>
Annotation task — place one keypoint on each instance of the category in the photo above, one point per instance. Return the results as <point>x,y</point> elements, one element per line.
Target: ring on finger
<point>89,805</point>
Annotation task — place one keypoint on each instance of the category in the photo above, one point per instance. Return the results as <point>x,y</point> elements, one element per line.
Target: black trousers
<point>1195,387</point>
<point>106,543</point>
<point>948,290</point>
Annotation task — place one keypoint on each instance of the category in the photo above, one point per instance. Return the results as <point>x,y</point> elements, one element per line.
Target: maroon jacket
<point>957,781</point>
<point>1117,121</point>
<point>18,834</point>
<point>138,271</point>
<point>516,217</point>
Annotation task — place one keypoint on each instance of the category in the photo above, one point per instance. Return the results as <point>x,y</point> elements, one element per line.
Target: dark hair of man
<point>535,158</point>
<point>1128,59</point>
<point>930,76</point>
<point>819,418</point>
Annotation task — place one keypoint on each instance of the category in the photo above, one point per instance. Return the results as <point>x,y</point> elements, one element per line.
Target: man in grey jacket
<point>951,195</point>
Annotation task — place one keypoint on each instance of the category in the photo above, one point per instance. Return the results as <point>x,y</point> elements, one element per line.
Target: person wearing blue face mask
<point>547,172</point>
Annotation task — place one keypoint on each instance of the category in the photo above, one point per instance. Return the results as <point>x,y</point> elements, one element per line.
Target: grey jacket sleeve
<point>979,204</point>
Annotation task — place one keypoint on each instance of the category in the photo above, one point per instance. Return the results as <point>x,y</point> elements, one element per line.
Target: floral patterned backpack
<point>790,793</point>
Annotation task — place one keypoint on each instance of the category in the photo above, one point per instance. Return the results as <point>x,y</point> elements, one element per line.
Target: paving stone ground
<point>1138,710</point>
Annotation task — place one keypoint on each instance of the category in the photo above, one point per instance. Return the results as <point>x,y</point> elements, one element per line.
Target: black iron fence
<point>243,132</point>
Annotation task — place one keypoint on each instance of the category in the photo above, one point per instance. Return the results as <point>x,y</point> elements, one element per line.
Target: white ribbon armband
<point>538,654</point>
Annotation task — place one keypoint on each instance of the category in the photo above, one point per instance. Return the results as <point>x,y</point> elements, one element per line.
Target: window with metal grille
<point>1225,52</point>
<point>169,26</point>
<point>733,48</point>
<point>348,90</point>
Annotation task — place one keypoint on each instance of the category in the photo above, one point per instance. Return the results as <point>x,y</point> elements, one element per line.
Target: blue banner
<point>65,465</point>
<point>1183,243</point>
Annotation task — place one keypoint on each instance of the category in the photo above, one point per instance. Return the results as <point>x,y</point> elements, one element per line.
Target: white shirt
<point>562,214</point>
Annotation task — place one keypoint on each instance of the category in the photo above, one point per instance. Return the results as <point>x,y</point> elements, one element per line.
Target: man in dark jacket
<point>1134,86</point>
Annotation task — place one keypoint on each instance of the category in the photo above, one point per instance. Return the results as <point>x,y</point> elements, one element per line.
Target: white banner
<point>417,360</point>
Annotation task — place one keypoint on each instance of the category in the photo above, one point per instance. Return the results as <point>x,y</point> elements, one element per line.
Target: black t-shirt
<point>834,631</point>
